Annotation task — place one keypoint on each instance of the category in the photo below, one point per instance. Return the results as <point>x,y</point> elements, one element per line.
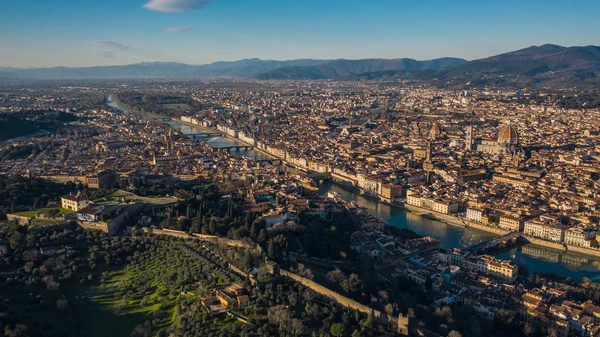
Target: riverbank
<point>591,252</point>
<point>114,99</point>
<point>450,230</point>
<point>431,215</point>
<point>446,219</point>
<point>201,127</point>
<point>489,229</point>
<point>224,135</point>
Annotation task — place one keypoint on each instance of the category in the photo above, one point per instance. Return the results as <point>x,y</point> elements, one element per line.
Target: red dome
<point>508,135</point>
<point>435,129</point>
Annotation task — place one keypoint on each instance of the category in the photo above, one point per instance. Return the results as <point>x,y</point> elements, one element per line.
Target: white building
<point>490,265</point>
<point>577,236</point>
<point>437,205</point>
<point>474,214</point>
<point>73,202</point>
<point>545,229</point>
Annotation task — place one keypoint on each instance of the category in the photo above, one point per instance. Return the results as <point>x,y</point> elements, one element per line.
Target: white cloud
<point>111,45</point>
<point>177,29</point>
<point>174,6</point>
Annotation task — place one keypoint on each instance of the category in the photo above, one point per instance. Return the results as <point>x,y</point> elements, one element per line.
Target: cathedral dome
<point>508,135</point>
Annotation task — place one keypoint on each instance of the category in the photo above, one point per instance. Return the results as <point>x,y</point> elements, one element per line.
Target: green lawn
<point>151,200</point>
<point>31,214</point>
<point>179,107</point>
<point>121,193</point>
<point>99,313</point>
<point>115,100</point>
<point>92,317</point>
<point>45,222</point>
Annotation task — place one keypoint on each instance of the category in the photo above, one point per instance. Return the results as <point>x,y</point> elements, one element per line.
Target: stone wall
<point>544,243</point>
<point>21,220</point>
<point>57,227</point>
<point>99,225</point>
<point>342,265</point>
<point>169,232</point>
<point>559,246</point>
<point>399,324</point>
<point>211,238</point>
<point>584,250</point>
<point>485,228</point>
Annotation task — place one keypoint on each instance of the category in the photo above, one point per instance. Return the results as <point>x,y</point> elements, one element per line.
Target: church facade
<point>507,142</point>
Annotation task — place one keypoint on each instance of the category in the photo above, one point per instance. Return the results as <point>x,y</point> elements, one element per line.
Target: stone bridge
<point>204,134</point>
<point>237,148</point>
<point>493,242</point>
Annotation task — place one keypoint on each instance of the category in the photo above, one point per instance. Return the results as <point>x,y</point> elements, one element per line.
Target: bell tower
<point>469,138</point>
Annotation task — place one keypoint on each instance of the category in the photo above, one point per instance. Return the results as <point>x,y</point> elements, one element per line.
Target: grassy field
<point>178,107</point>
<point>31,214</point>
<point>44,221</point>
<point>102,307</point>
<point>150,200</point>
<point>121,193</point>
<point>112,295</point>
<point>106,304</point>
<point>116,100</point>
<point>84,317</point>
<point>143,291</point>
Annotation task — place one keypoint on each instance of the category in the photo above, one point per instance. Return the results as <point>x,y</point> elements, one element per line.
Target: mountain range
<point>543,66</point>
<point>345,68</point>
<point>296,69</point>
<point>242,68</point>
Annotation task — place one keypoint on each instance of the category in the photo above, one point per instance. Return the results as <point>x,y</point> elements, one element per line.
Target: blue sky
<point>38,33</point>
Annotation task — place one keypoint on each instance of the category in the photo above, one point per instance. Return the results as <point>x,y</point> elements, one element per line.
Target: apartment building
<point>544,228</point>
<point>490,265</point>
<point>578,236</point>
<point>511,223</point>
<point>474,214</point>
<point>436,205</point>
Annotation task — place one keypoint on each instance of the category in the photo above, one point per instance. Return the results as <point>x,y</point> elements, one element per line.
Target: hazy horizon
<point>38,33</point>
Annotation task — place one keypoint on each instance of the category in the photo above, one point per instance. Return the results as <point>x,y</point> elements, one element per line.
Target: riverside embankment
<point>455,235</point>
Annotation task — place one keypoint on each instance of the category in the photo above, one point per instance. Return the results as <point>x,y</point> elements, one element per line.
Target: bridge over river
<point>236,148</point>
<point>204,134</point>
<point>504,239</point>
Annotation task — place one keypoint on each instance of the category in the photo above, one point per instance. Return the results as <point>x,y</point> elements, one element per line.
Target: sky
<point>76,33</point>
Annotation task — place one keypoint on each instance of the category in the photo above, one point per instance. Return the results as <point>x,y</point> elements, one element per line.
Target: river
<point>216,141</point>
<point>537,259</point>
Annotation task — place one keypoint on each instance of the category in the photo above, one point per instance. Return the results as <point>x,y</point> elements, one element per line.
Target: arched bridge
<point>271,161</point>
<point>493,242</point>
<point>237,148</point>
<point>204,134</point>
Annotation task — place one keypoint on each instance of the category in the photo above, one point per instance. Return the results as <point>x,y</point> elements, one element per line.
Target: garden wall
<point>400,324</point>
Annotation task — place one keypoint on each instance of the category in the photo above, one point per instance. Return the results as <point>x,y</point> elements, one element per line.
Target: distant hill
<point>345,68</point>
<point>242,68</point>
<point>541,66</point>
<point>537,66</point>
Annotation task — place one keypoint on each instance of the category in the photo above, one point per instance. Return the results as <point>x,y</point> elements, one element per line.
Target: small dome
<point>435,130</point>
<point>508,135</point>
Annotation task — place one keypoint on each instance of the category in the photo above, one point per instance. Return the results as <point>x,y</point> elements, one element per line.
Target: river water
<point>216,141</point>
<point>537,259</point>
